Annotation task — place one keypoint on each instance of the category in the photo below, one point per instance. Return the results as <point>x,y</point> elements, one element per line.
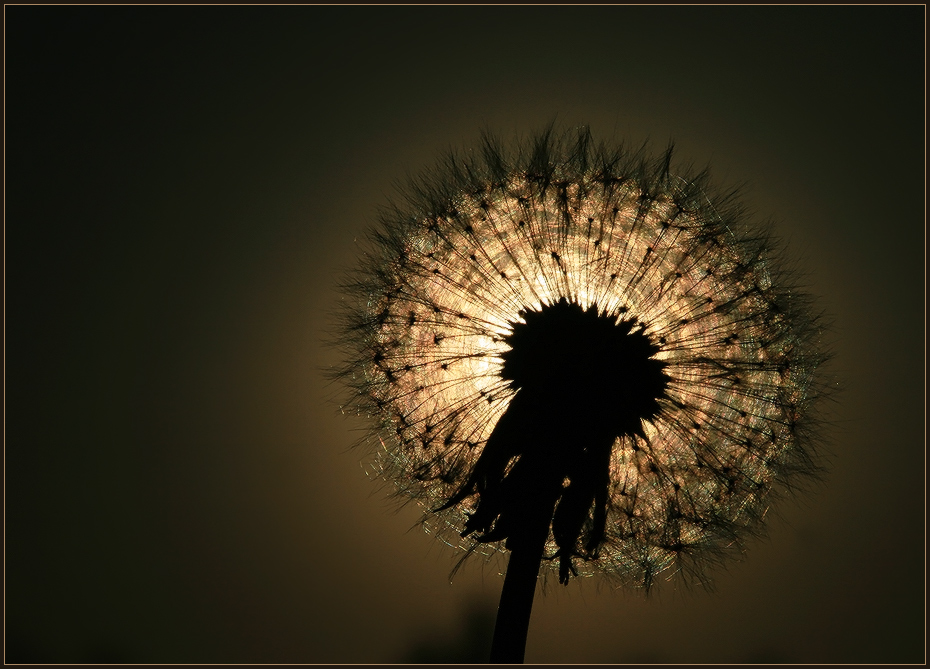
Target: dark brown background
<point>183,186</point>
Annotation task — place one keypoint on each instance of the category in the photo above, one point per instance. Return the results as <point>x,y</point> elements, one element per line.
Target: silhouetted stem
<point>513,612</point>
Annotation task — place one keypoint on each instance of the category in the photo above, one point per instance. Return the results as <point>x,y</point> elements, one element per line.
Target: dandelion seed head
<point>686,353</point>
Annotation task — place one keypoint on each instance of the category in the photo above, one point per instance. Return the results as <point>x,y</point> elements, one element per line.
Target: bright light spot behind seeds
<point>448,279</point>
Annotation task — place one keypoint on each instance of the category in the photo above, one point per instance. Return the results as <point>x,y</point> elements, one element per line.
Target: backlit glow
<point>446,280</point>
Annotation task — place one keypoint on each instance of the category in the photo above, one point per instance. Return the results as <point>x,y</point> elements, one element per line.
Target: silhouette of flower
<point>572,330</point>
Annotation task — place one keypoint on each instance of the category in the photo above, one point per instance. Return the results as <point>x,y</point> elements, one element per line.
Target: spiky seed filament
<point>619,327</point>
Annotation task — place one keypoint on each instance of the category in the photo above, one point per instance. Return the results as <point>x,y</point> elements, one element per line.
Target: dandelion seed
<point>573,354</point>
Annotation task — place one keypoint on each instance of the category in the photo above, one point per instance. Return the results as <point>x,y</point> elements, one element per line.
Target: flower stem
<point>516,604</point>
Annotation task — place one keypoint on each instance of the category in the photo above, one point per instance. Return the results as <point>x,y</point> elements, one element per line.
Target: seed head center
<point>586,365</point>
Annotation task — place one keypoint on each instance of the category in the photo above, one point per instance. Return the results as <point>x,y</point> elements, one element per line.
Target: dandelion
<point>575,355</point>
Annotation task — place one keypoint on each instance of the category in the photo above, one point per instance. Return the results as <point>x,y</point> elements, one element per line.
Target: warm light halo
<point>447,279</point>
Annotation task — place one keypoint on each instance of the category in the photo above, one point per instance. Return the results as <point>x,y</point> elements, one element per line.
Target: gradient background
<point>184,186</point>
